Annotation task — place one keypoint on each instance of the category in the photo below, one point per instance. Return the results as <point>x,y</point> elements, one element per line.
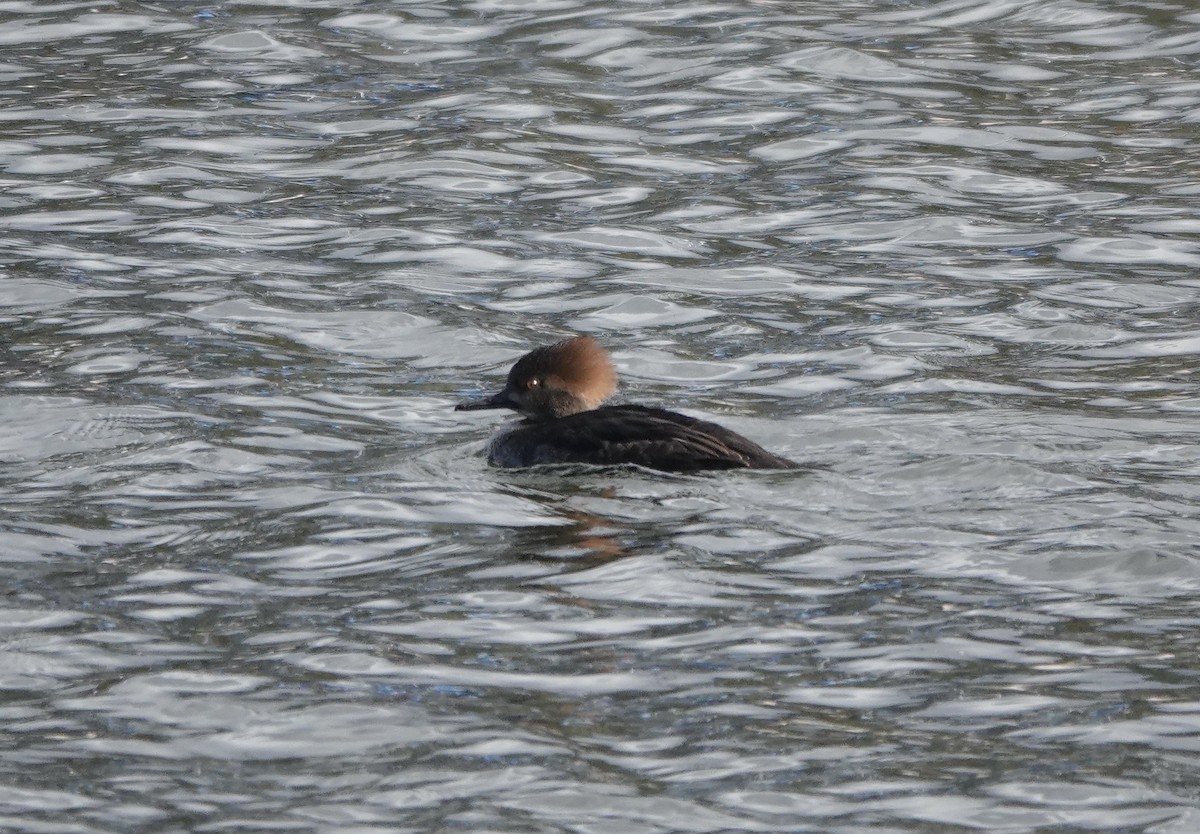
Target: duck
<point>560,391</point>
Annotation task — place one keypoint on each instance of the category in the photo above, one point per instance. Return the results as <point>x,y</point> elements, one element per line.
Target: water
<point>257,576</point>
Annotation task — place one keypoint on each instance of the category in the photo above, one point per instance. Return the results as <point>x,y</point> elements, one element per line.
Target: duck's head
<point>563,378</point>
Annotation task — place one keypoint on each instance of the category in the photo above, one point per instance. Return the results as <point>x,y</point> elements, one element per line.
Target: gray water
<point>257,577</point>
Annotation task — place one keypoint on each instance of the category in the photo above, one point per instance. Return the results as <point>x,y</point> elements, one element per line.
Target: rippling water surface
<point>257,577</point>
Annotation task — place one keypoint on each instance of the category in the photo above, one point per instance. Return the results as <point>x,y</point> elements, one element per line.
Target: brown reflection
<point>597,536</point>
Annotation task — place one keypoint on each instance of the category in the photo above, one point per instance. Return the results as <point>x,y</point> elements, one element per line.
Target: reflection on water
<point>257,574</point>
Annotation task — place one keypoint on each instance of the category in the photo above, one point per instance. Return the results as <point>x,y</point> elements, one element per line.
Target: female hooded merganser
<point>559,389</point>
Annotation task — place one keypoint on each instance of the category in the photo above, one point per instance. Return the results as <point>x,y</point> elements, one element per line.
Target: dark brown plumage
<point>559,389</point>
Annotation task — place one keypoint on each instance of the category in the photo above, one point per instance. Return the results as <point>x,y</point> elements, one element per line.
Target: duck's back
<point>631,434</point>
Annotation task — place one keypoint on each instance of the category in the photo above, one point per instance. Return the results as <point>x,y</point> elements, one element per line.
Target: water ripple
<point>251,258</point>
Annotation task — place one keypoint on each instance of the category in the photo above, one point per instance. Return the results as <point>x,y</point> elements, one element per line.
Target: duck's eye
<point>532,383</point>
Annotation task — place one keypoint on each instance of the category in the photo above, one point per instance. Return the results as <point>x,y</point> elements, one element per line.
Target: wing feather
<point>650,437</point>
